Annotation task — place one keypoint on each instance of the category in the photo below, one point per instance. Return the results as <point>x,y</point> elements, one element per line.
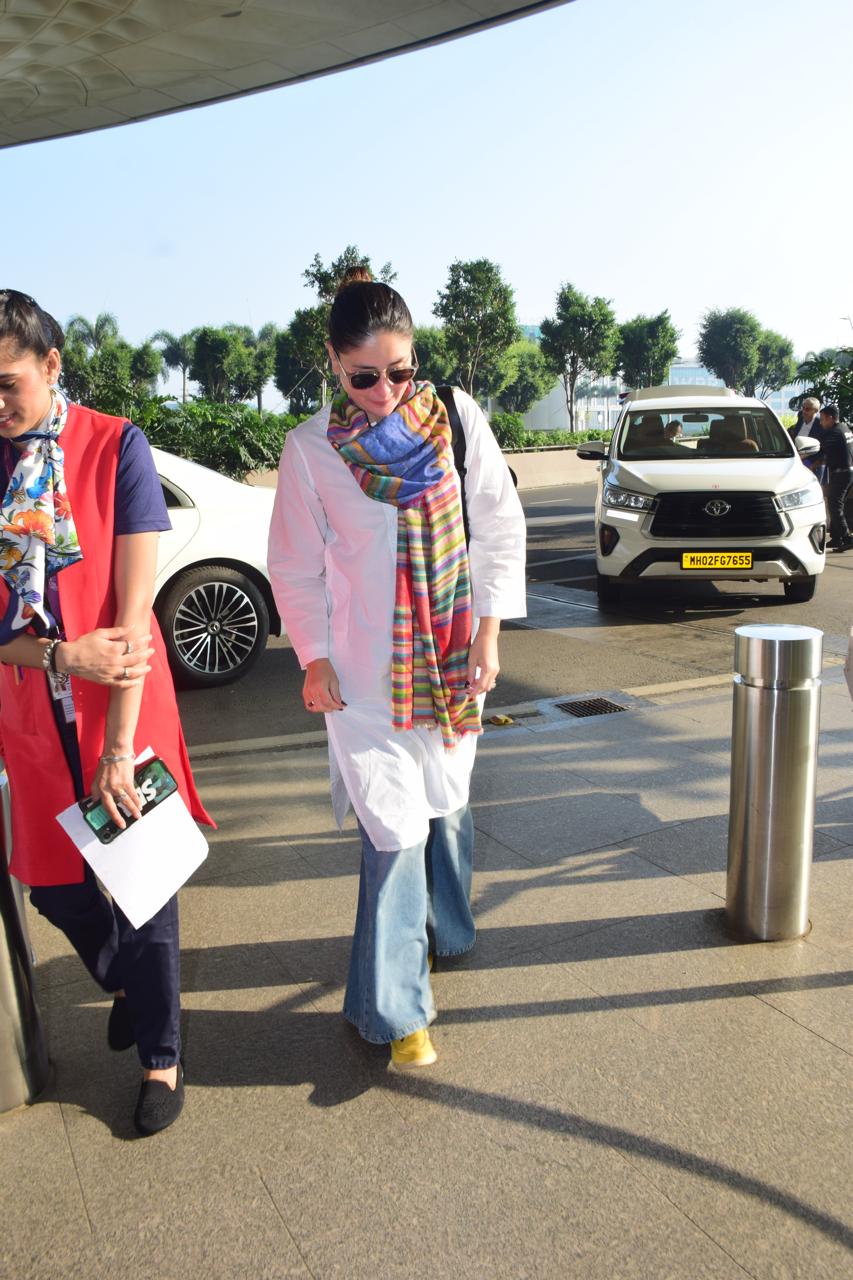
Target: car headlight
<point>616,497</point>
<point>798,498</point>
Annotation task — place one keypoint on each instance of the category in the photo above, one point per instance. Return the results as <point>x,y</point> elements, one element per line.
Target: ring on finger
<point>125,675</point>
<point>309,704</point>
<point>129,648</point>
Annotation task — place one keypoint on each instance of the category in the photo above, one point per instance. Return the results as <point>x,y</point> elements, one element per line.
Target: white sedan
<point>212,595</point>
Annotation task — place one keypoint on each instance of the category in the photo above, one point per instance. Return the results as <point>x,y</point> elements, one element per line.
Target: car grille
<point>684,515</point>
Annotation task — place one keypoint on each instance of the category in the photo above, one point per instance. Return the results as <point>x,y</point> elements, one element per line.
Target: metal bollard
<point>23,1053</point>
<point>775,722</point>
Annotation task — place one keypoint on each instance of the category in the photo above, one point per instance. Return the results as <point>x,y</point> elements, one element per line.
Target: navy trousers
<point>836,493</point>
<point>144,962</point>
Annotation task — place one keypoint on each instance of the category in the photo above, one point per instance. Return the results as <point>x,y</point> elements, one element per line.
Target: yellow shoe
<point>429,961</point>
<point>413,1051</point>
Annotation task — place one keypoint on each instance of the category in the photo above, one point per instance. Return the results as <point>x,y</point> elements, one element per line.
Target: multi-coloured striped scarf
<point>407,461</point>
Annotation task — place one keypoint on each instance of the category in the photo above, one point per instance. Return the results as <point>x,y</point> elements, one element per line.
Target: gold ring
<point>125,675</point>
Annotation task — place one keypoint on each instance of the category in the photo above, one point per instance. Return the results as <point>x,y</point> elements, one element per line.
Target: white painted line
<point>541,521</point>
<point>678,686</point>
<point>546,564</point>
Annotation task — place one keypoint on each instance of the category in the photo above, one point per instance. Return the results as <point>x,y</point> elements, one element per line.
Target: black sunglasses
<point>363,379</point>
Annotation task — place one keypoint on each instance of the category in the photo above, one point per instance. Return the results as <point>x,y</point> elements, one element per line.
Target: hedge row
<point>235,439</point>
<point>232,439</point>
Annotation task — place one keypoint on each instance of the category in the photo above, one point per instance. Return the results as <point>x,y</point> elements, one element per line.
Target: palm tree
<point>177,353</point>
<point>93,336</point>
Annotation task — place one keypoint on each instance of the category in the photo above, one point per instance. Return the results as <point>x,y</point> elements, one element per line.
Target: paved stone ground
<point>621,1090</point>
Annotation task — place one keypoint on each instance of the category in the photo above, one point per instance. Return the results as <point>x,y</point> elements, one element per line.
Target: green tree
<point>324,280</point>
<point>776,364</point>
<point>647,347</point>
<point>301,363</point>
<point>75,377</point>
<point>250,360</point>
<point>209,369</point>
<point>729,346</point>
<point>177,352</point>
<point>116,378</point>
<point>528,377</point>
<point>263,361</point>
<point>93,335</point>
<point>146,366</point>
<point>478,311</point>
<point>434,362</point>
<point>828,375</point>
<point>580,339</point>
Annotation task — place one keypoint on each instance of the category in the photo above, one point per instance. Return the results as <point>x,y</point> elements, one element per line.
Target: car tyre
<point>607,588</point>
<point>215,625</point>
<point>800,590</point>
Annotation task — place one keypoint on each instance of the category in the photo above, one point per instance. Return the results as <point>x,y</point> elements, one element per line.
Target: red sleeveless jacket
<point>39,777</point>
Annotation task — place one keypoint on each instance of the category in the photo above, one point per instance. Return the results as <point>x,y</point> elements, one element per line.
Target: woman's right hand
<point>102,656</point>
<point>321,690</point>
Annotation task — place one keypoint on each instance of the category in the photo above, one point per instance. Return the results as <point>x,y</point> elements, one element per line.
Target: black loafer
<point>120,1034</point>
<point>158,1106</point>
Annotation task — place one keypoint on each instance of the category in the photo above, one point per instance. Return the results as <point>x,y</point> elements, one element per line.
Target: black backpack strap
<point>459,445</point>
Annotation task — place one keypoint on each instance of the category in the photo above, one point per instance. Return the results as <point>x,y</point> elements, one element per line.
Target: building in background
<point>692,373</point>
<point>600,409</point>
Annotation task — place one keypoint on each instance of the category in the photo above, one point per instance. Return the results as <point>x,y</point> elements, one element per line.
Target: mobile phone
<point>152,782</point>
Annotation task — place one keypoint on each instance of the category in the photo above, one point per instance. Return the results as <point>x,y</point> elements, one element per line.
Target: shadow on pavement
<point>290,1045</point>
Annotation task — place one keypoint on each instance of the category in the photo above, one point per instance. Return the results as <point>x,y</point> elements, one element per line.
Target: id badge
<point>60,691</point>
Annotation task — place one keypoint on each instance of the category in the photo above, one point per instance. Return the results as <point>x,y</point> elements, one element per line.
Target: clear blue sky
<point>661,154</point>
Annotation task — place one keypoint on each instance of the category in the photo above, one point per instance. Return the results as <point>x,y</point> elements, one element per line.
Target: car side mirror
<point>592,451</point>
<point>806,445</point>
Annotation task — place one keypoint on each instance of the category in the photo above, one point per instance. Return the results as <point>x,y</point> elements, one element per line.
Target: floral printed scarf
<point>37,534</point>
<point>406,460</point>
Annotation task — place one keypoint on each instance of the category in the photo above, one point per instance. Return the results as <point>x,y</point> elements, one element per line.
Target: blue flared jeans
<point>411,903</point>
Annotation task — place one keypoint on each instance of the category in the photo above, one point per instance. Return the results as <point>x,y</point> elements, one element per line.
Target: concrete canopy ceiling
<point>68,66</point>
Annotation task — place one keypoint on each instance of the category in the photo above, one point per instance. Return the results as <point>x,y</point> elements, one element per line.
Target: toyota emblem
<point>717,507</point>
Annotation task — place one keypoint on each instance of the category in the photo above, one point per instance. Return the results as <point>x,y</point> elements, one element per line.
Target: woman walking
<point>84,682</point>
<point>395,622</point>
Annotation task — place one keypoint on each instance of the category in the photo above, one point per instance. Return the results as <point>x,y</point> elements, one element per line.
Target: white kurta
<point>332,563</point>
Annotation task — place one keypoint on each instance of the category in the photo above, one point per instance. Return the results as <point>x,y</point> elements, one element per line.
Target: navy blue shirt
<point>139,503</point>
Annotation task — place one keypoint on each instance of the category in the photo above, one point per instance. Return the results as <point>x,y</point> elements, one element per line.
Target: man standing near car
<point>836,452</point>
<point>808,424</point>
<point>807,419</point>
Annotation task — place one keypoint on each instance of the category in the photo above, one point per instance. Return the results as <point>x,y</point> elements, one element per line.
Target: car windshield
<point>703,433</point>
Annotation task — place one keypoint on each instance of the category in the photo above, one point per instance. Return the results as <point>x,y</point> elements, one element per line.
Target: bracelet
<point>48,659</point>
<point>117,759</point>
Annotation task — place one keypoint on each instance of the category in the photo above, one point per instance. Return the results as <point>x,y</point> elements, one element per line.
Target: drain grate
<point>590,707</point>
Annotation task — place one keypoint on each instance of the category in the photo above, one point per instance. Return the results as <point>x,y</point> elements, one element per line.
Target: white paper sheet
<point>146,863</point>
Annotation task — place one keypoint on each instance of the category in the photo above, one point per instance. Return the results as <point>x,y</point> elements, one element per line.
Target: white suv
<point>699,482</point>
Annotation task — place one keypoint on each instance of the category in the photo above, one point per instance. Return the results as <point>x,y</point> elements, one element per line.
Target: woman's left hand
<point>113,785</point>
<point>483,665</point>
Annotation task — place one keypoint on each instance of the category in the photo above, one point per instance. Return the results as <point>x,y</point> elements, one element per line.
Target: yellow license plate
<point>716,559</point>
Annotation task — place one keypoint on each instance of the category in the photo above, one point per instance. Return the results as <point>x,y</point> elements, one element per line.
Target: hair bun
<point>353,275</point>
